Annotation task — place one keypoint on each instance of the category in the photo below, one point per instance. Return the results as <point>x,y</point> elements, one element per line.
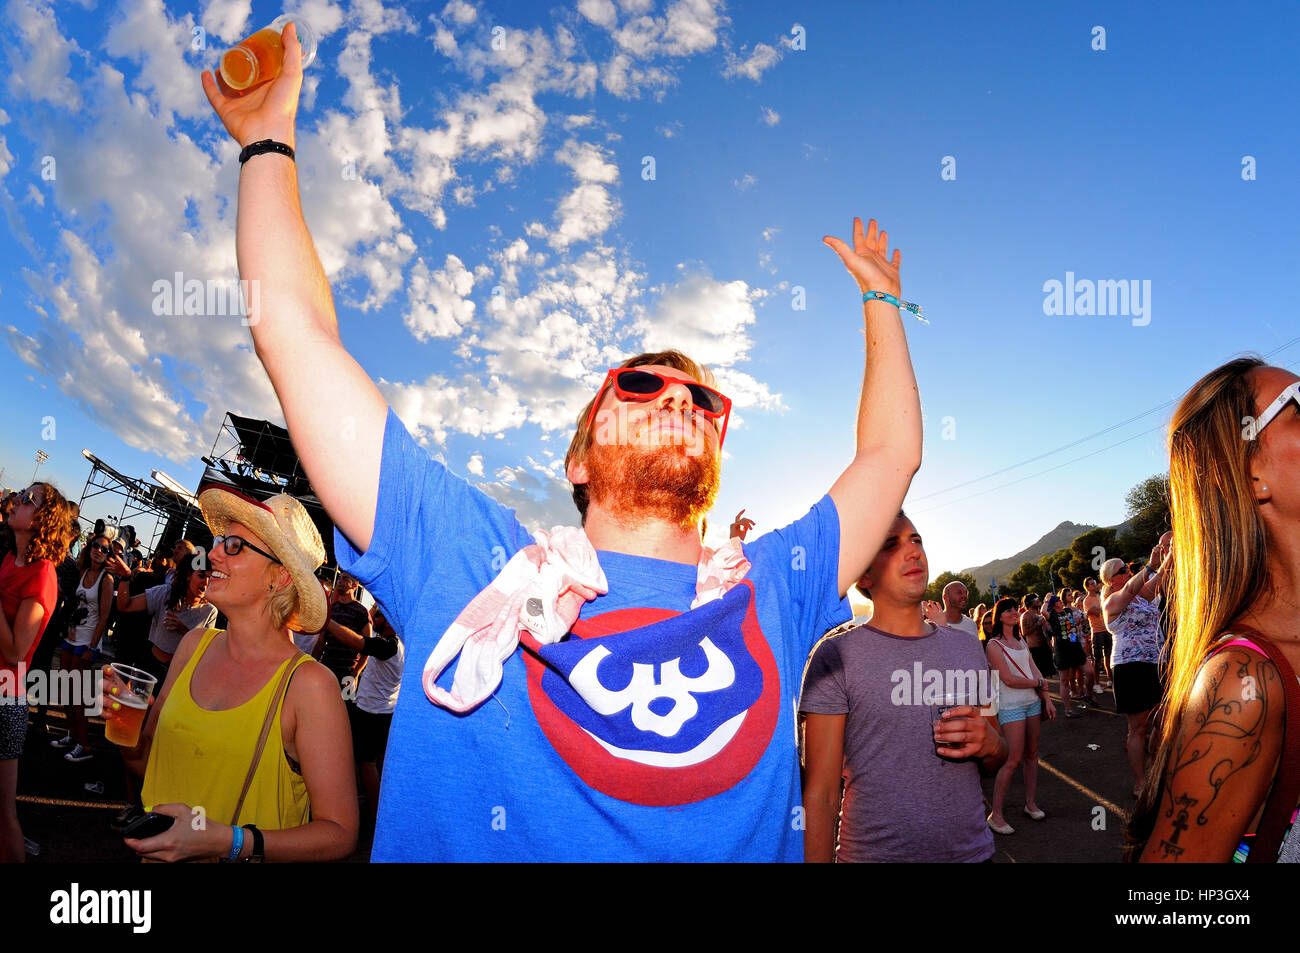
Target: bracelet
<point>896,302</point>
<point>237,845</point>
<point>264,145</point>
<point>258,853</point>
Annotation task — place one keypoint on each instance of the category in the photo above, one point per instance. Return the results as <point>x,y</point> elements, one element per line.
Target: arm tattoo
<point>1219,740</point>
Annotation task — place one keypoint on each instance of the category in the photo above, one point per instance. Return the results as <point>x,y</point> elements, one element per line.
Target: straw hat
<point>282,522</point>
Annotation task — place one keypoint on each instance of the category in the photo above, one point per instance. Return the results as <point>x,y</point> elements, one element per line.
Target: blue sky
<point>494,243</point>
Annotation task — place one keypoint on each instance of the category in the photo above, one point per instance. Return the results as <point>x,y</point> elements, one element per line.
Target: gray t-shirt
<point>902,802</point>
<point>201,616</point>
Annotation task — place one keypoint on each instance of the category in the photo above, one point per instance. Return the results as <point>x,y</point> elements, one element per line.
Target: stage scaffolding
<point>175,515</point>
<point>253,456</point>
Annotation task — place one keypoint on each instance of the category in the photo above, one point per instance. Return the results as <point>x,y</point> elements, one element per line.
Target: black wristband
<point>258,853</point>
<point>264,145</point>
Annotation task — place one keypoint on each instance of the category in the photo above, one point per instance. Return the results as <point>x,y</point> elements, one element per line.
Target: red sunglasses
<point>639,385</point>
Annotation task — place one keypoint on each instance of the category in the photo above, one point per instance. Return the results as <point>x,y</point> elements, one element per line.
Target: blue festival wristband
<point>896,302</point>
<point>237,846</point>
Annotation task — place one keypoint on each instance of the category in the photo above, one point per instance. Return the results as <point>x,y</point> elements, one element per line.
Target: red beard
<point>671,481</point>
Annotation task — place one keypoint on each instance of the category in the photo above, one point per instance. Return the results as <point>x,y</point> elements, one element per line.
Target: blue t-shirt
<point>678,741</point>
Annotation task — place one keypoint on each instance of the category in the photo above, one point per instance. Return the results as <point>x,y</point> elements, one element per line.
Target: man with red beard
<point>639,686</point>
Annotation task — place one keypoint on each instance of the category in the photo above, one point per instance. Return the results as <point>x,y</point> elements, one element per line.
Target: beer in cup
<point>259,58</point>
<point>127,691</point>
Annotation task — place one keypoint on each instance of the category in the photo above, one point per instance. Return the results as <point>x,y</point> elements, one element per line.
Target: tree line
<point>1147,516</point>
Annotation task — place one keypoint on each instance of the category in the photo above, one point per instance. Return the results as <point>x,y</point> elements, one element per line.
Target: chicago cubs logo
<point>658,707</point>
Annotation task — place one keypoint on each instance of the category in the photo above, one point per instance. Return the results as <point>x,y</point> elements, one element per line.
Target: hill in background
<point>1058,538</point>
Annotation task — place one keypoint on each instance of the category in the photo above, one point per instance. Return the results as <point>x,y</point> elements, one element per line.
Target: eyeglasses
<point>232,545</point>
<point>29,497</point>
<point>639,385</point>
<point>1289,393</point>
<point>100,549</point>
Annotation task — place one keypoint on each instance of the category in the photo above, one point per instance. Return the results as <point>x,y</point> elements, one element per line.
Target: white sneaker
<point>1098,690</point>
<point>78,753</point>
<point>61,742</point>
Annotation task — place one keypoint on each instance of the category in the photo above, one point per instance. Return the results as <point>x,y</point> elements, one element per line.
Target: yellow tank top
<point>201,757</point>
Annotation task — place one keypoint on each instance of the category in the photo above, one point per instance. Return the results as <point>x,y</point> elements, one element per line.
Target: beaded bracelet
<point>896,302</point>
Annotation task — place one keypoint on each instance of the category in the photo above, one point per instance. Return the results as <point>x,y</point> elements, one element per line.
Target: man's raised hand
<point>268,111</point>
<point>867,261</point>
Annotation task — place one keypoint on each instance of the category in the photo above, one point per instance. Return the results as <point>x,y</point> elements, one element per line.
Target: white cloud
<point>770,233</point>
<point>42,74</point>
<point>6,158</point>
<point>373,17</point>
<point>325,16</point>
<point>771,116</point>
<point>475,464</point>
<point>227,19</point>
<point>745,391</point>
<point>436,407</point>
<point>692,27</point>
<point>705,318</point>
<point>753,67</point>
<point>588,162</point>
<point>745,182</point>
<point>143,33</point>
<point>460,12</point>
<point>583,214</point>
<point>599,12</point>
<point>541,500</point>
<point>437,302</point>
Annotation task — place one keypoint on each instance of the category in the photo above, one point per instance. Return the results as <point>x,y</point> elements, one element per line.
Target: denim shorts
<point>1008,715</point>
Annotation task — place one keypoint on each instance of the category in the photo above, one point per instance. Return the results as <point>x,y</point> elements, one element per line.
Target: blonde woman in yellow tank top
<point>199,740</point>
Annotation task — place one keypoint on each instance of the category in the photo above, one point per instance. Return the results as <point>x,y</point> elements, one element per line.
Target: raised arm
<point>870,492</point>
<point>334,412</point>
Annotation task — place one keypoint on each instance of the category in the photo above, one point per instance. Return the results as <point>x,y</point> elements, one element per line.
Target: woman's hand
<point>268,111</point>
<point>189,838</point>
<point>867,261</point>
<point>1049,710</point>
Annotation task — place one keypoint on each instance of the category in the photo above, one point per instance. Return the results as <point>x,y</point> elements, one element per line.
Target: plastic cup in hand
<point>259,58</point>
<point>950,700</point>
<point>126,701</point>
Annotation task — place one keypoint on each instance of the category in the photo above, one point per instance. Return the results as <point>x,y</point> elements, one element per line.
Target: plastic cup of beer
<point>259,58</point>
<point>126,697</point>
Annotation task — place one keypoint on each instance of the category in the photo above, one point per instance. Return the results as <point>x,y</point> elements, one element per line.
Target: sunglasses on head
<point>232,545</point>
<point>636,384</point>
<point>1289,393</point>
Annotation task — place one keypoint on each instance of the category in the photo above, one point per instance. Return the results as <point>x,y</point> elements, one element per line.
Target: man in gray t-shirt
<point>870,699</point>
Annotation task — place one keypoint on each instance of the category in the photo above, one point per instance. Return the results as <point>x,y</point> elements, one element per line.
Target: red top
<point>37,580</point>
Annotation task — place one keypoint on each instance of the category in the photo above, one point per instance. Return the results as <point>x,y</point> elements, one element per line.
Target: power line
<point>1032,476</point>
<point>1067,446</point>
<point>1093,453</point>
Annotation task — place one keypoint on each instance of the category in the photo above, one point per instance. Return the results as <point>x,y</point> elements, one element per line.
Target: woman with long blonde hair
<point>1223,780</point>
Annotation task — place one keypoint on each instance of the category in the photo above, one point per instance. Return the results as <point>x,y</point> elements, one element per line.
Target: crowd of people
<point>620,690</point>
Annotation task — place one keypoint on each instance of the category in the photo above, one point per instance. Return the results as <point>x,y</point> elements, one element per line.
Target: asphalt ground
<point>1084,785</point>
